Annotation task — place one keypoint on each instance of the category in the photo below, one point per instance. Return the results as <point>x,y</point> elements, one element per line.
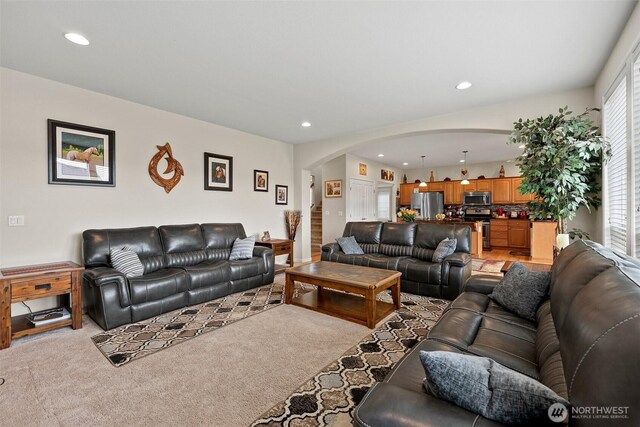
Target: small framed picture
<point>260,180</point>
<point>218,172</point>
<point>386,175</point>
<point>265,236</point>
<point>282,195</point>
<point>362,169</point>
<point>333,188</point>
<point>81,155</point>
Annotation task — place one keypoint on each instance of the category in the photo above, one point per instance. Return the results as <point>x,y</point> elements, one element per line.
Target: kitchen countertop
<point>471,224</point>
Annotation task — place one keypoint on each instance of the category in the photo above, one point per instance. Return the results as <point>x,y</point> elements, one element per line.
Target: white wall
<point>373,174</point>
<point>333,208</point>
<point>489,170</point>
<point>56,215</point>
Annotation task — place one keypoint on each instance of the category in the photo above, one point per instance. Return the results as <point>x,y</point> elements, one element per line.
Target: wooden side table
<point>279,247</point>
<point>530,265</point>
<point>38,281</point>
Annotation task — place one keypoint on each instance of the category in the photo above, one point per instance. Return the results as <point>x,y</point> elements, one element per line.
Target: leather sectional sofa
<point>183,265</point>
<point>584,346</point>
<point>408,248</point>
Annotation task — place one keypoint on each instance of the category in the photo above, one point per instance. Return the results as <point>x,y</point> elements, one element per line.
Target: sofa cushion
<point>242,248</point>
<point>183,244</point>
<point>349,245</point>
<point>417,270</point>
<point>208,273</point>
<point>485,387</point>
<point>158,285</point>
<point>522,290</point>
<point>380,261</point>
<point>219,238</point>
<point>397,239</point>
<point>445,248</point>
<point>428,236</point>
<point>241,269</point>
<point>126,262</point>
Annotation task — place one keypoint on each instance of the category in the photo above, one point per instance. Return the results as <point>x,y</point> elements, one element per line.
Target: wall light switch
<point>327,213</point>
<point>339,213</point>
<point>16,220</point>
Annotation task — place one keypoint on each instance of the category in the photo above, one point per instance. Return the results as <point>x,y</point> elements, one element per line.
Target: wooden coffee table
<point>530,265</point>
<point>359,287</point>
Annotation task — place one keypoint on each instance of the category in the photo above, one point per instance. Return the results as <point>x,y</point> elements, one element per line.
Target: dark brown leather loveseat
<point>585,346</point>
<point>408,248</point>
<point>183,265</point>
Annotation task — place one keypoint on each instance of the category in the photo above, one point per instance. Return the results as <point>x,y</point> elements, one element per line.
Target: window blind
<point>636,151</point>
<point>615,130</point>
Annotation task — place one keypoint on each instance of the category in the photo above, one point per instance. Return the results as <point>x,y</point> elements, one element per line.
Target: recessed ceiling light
<point>305,124</point>
<point>463,85</point>
<point>521,146</point>
<point>405,164</point>
<point>76,38</point>
<point>461,160</point>
<point>380,155</point>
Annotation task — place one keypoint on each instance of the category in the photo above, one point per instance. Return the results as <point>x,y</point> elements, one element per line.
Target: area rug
<point>131,342</point>
<point>331,395</point>
<point>487,265</point>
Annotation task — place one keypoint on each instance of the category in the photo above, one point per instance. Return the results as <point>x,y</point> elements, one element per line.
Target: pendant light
<point>464,172</point>
<point>423,184</point>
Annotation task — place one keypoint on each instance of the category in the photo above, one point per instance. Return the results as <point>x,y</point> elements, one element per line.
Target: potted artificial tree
<point>561,163</point>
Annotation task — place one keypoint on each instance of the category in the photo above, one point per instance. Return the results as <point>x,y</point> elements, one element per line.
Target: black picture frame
<point>282,194</point>
<point>260,180</point>
<point>218,172</point>
<point>80,154</point>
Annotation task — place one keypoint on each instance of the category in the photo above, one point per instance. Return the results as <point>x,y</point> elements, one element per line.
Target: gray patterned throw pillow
<point>242,248</point>
<point>445,248</point>
<point>126,261</point>
<point>349,246</point>
<point>522,290</point>
<point>483,386</point>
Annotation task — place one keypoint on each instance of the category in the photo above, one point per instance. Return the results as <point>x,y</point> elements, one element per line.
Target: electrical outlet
<point>327,213</point>
<point>339,213</point>
<point>16,220</point>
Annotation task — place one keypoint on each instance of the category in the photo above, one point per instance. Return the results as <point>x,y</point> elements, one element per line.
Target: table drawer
<point>42,286</point>
<point>281,249</point>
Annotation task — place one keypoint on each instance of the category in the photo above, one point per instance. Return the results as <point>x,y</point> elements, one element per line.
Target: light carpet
<point>225,378</point>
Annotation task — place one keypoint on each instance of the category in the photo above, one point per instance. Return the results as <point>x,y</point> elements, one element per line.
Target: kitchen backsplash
<point>507,209</point>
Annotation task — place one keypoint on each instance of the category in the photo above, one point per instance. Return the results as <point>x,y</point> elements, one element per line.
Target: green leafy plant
<point>561,163</point>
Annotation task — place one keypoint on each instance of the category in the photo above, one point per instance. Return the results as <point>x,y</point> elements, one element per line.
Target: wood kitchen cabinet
<point>483,185</point>
<point>519,233</point>
<point>501,192</point>
<point>406,190</point>
<point>516,195</point>
<point>435,186</point>
<point>499,232</point>
<point>472,186</point>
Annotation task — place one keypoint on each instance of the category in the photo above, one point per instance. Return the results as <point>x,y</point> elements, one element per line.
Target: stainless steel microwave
<point>476,198</point>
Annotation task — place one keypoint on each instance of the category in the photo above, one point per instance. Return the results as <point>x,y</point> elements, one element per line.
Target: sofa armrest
<point>387,405</point>
<point>328,250</point>
<point>482,283</point>
<point>459,259</point>
<point>267,257</point>
<point>101,276</point>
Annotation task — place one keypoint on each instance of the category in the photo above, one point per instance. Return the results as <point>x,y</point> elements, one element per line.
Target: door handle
<point>45,286</point>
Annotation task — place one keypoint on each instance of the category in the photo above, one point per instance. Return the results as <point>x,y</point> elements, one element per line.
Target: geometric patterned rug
<point>136,340</point>
<point>332,394</point>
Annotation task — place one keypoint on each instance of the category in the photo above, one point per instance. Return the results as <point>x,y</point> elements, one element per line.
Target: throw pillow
<point>483,386</point>
<point>126,261</point>
<point>522,290</point>
<point>445,248</point>
<point>242,248</point>
<point>349,246</point>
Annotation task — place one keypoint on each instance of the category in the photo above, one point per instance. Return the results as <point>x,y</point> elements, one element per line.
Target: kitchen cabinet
<point>517,196</point>
<point>435,186</point>
<point>453,193</point>
<point>469,187</point>
<point>519,232</point>
<point>406,190</point>
<point>483,185</point>
<point>499,232</point>
<point>543,239</point>
<point>501,192</point>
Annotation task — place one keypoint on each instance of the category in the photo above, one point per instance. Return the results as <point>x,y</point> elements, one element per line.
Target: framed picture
<point>260,180</point>
<point>333,188</point>
<point>362,169</point>
<point>218,172</point>
<point>282,195</point>
<point>81,155</point>
<point>265,236</point>
<point>386,175</point>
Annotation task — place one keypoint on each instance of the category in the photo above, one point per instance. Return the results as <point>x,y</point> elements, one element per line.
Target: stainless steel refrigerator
<point>427,204</point>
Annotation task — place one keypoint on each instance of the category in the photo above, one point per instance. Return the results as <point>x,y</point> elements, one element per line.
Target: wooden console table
<point>279,247</point>
<point>38,281</point>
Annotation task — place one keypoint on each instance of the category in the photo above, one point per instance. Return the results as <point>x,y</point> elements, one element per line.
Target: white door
<point>362,202</point>
<point>384,203</point>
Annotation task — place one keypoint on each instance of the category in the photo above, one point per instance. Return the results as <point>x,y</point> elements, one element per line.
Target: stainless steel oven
<point>476,198</point>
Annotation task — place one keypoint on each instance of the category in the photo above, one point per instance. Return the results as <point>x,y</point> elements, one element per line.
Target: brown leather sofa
<point>585,345</point>
<point>408,248</point>
<point>183,265</point>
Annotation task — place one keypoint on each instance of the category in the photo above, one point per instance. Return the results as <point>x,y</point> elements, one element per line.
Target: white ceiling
<point>264,67</point>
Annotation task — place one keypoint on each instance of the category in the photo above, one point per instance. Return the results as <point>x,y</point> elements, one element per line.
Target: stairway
<point>316,231</point>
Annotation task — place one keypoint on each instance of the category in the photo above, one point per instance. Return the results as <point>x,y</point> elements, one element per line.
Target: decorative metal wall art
<point>172,166</point>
